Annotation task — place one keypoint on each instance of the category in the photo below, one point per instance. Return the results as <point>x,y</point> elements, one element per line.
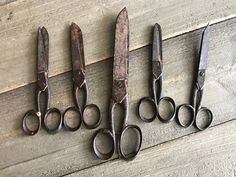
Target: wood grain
<point>66,152</point>
<point>209,153</point>
<point>19,22</point>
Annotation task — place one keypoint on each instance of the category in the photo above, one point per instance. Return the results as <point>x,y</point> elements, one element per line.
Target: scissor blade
<point>204,48</point>
<point>77,48</point>
<point>121,56</point>
<point>43,50</point>
<point>157,43</point>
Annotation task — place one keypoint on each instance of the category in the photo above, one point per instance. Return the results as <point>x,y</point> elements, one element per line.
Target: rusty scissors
<point>78,72</point>
<point>157,69</point>
<point>198,87</point>
<point>119,96</point>
<point>42,87</point>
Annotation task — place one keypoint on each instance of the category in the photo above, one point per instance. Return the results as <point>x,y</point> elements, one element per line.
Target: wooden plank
<point>209,153</point>
<point>65,152</point>
<point>20,20</point>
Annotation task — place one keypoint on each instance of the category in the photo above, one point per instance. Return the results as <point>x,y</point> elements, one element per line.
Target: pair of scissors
<point>157,69</point>
<point>198,88</point>
<point>119,96</point>
<point>78,72</point>
<point>42,88</point>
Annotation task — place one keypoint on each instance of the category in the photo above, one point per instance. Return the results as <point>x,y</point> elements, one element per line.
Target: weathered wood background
<point>167,149</point>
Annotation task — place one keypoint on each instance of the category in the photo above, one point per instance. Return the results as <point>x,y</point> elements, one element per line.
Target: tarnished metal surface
<point>119,95</point>
<point>78,76</point>
<point>77,55</point>
<point>157,66</point>
<point>42,88</point>
<point>198,86</point>
<point>121,57</point>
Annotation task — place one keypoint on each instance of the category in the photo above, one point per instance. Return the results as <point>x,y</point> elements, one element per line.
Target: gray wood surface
<point>66,152</point>
<point>205,154</point>
<point>20,20</point>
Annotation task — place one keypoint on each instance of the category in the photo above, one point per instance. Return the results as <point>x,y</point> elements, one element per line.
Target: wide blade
<point>204,48</point>
<point>121,56</point>
<point>43,50</point>
<point>77,48</point>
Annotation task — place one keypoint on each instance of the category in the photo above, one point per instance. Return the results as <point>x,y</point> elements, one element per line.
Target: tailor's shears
<point>78,77</point>
<point>119,96</point>
<point>42,87</point>
<point>157,69</point>
<point>196,107</point>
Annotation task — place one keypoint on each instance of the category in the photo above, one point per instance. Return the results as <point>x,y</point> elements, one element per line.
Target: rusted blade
<point>204,48</point>
<point>43,50</point>
<point>77,54</point>
<point>121,56</point>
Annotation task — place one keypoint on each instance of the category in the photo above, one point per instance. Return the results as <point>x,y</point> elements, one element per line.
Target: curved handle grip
<point>210,118</point>
<point>98,153</point>
<point>25,127</point>
<point>192,116</point>
<point>58,126</point>
<point>172,111</point>
<point>79,117</point>
<point>97,122</point>
<point>154,108</point>
<point>133,154</point>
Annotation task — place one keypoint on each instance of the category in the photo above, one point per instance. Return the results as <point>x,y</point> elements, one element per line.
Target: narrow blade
<point>157,43</point>
<point>121,56</point>
<point>43,50</point>
<point>204,49</point>
<point>77,48</point>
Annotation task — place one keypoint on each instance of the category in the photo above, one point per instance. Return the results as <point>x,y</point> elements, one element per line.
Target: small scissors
<point>78,70</point>
<point>196,107</point>
<point>42,87</point>
<point>119,95</point>
<point>157,66</point>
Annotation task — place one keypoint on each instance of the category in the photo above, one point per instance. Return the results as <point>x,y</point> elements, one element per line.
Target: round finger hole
<point>103,144</point>
<point>203,118</point>
<point>91,115</point>
<point>147,109</point>
<point>185,115</point>
<point>72,119</point>
<point>130,142</point>
<point>53,120</point>
<point>166,109</point>
<point>31,123</point>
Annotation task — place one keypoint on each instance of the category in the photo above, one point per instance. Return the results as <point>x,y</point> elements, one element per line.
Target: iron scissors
<point>42,88</point>
<point>79,82</point>
<point>157,69</point>
<point>119,95</point>
<point>198,88</point>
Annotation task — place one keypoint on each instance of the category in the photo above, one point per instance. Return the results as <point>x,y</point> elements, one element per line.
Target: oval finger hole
<point>32,122</point>
<point>72,118</point>
<point>203,119</point>
<point>130,141</point>
<point>147,109</point>
<point>52,120</point>
<point>91,115</point>
<point>166,109</point>
<point>185,116</point>
<point>104,143</point>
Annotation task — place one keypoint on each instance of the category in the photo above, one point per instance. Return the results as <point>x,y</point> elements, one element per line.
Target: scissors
<point>196,107</point>
<point>119,95</point>
<point>156,99</point>
<point>42,88</point>
<point>78,72</point>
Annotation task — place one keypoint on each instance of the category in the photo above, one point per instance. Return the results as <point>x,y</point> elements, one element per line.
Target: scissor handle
<point>58,126</point>
<point>172,111</point>
<point>141,115</point>
<point>97,122</point>
<point>25,127</point>
<point>133,154</point>
<point>98,153</point>
<point>210,118</point>
<point>79,117</point>
<point>192,116</point>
